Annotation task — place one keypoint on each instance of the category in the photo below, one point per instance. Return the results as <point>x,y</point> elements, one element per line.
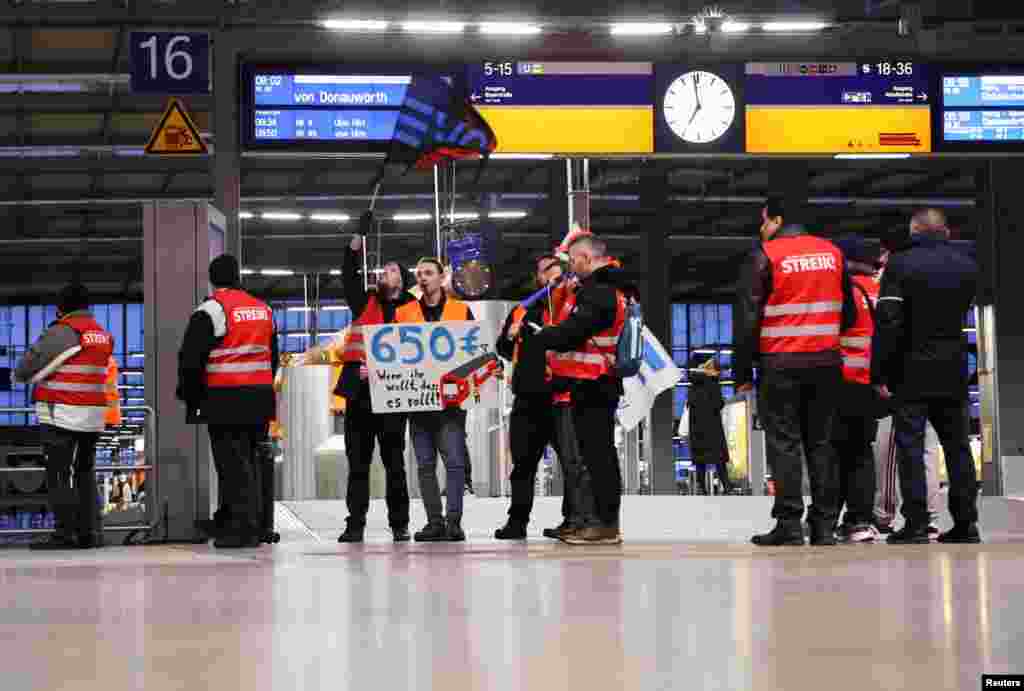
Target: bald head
<point>929,221</point>
<point>587,254</point>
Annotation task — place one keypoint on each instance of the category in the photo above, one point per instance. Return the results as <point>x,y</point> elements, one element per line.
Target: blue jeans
<point>441,432</point>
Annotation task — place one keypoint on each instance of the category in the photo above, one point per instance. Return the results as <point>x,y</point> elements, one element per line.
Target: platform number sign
<point>170,63</point>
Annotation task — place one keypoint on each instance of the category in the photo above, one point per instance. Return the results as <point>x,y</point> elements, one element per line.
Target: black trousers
<point>852,440</point>
<point>594,418</point>
<point>798,409</point>
<point>362,429</point>
<point>950,419</point>
<point>534,424</point>
<point>237,459</point>
<point>71,480</point>
<point>265,461</point>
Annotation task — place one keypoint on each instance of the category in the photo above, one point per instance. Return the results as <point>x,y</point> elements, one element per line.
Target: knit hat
<point>224,272</point>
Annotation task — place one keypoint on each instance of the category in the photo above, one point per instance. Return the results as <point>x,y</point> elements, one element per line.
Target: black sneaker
<point>512,530</point>
<point>353,532</point>
<point>400,533</point>
<point>822,534</point>
<point>909,535</point>
<point>271,538</point>
<point>454,532</point>
<point>785,533</point>
<point>237,541</point>
<point>432,532</point>
<point>961,534</point>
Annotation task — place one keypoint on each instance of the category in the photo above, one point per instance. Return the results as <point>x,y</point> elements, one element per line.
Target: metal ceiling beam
<point>92,103</point>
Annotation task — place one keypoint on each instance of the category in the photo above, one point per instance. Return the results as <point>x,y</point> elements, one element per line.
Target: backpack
<point>629,351</point>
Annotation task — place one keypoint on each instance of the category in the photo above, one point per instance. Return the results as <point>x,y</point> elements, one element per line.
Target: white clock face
<point>699,107</point>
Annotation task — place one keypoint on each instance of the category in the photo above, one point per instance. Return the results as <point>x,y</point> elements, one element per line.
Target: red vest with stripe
<point>804,311</point>
<point>243,357</point>
<point>596,357</point>
<point>82,379</point>
<point>355,342</point>
<point>518,314</point>
<point>855,342</point>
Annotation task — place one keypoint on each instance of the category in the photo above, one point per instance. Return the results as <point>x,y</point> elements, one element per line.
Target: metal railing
<point>150,467</point>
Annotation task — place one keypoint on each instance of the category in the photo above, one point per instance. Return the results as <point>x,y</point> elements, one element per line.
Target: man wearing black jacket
<point>586,340</point>
<point>362,425</point>
<point>225,374</point>
<point>541,414</point>
<point>919,362</point>
<point>795,299</point>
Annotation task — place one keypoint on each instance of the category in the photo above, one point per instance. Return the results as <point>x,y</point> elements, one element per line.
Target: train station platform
<point>686,602</point>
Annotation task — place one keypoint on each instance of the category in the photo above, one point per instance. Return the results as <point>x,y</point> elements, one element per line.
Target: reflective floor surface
<point>650,614</point>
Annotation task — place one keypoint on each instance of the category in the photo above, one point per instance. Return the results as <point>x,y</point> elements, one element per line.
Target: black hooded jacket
<point>350,385</point>
<point>595,311</point>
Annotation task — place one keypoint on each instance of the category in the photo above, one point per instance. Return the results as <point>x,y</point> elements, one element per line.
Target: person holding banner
<point>541,413</point>
<point>442,431</point>
<point>584,339</point>
<point>362,425</point>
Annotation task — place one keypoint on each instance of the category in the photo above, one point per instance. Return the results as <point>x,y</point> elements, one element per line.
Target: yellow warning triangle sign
<point>176,133</point>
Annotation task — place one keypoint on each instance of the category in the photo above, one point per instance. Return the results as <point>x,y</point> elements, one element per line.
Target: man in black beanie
<point>362,425</point>
<point>226,371</point>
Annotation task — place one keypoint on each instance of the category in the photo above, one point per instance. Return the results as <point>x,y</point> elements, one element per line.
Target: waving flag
<point>437,122</point>
<point>658,374</point>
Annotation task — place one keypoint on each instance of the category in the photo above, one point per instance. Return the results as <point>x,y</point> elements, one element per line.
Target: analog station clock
<point>699,107</point>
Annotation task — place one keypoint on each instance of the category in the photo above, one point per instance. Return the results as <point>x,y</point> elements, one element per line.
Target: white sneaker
<point>863,532</point>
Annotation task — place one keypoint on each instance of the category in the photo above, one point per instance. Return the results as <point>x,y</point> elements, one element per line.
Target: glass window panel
<point>36,322</point>
<point>725,324</point>
<point>135,336</point>
<point>19,317</point>
<point>681,394</point>
<point>116,327</point>
<point>680,324</point>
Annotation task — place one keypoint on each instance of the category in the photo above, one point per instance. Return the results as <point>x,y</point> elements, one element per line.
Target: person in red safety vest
<point>68,369</point>
<point>857,423</point>
<point>583,340</point>
<point>794,302</point>
<point>363,427</point>
<point>226,370</point>
<point>541,414</point>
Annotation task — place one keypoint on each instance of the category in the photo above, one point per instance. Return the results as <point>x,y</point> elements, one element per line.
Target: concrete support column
<point>227,162</point>
<point>657,303</point>
<point>179,239</point>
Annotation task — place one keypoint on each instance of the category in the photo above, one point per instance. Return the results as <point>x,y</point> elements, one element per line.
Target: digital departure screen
<point>840,107</point>
<point>566,107</point>
<point>983,108</point>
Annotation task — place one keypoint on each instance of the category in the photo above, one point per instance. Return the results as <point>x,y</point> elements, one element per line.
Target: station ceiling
<point>72,177</point>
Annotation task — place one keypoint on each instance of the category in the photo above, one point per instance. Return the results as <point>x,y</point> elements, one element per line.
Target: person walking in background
<point>708,445</point>
<point>68,368</point>
<point>919,361</point>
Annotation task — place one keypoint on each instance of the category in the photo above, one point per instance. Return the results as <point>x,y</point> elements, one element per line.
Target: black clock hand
<point>696,91</point>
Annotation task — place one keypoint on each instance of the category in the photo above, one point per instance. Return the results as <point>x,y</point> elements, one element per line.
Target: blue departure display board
<point>985,109</point>
<point>345,108</point>
<point>983,125</point>
<point>985,91</point>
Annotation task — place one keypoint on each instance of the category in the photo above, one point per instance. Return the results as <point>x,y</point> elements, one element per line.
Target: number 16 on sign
<point>170,62</point>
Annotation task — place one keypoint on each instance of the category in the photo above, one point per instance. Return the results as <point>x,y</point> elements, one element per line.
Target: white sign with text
<point>415,368</point>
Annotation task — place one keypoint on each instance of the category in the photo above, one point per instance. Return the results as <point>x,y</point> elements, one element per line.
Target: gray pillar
<point>999,250</point>
<point>558,201</point>
<point>178,244</point>
<point>227,162</point>
<point>657,302</point>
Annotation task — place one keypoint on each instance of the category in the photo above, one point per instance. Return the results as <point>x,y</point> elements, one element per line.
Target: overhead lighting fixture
<point>434,27</point>
<point>297,335</point>
<point>870,157</point>
<point>136,356</point>
<point>509,29</point>
<point>783,27</point>
<point>641,29</point>
<point>281,216</point>
<point>336,308</point>
<point>411,217</point>
<point>334,272</point>
<point>330,218</point>
<point>276,272</point>
<point>247,272</point>
<point>522,157</point>
<point>507,214</point>
<point>246,215</point>
<point>732,27</point>
<point>356,24</point>
<point>300,309</point>
<point>463,216</point>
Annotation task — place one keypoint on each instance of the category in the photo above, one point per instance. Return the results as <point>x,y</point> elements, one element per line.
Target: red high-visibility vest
<point>855,342</point>
<point>805,309</point>
<point>82,379</point>
<point>518,314</point>
<point>355,342</point>
<point>596,357</point>
<point>412,313</point>
<point>243,357</point>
